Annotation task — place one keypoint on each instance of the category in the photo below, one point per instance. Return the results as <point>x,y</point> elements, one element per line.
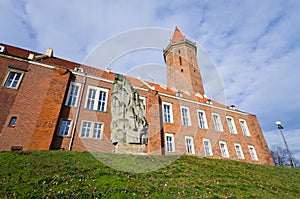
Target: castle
<point>51,103</point>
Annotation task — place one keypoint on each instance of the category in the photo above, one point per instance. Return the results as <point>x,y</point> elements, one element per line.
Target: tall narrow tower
<point>182,66</point>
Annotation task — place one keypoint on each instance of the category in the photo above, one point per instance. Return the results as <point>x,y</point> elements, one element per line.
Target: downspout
<point>77,113</point>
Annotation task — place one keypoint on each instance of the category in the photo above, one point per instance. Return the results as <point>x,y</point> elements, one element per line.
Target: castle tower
<point>182,66</point>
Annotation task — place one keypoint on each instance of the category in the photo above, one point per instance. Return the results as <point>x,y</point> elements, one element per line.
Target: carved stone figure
<point>128,123</point>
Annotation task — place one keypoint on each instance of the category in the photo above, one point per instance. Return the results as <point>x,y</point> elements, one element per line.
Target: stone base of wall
<point>136,149</point>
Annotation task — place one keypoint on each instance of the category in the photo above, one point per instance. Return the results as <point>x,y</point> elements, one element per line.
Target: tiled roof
<point>22,53</point>
<point>177,35</point>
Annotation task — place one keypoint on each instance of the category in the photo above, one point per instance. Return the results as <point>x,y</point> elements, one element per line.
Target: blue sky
<point>254,44</point>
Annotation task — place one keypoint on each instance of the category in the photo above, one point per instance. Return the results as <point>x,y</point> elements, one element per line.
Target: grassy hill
<point>63,174</point>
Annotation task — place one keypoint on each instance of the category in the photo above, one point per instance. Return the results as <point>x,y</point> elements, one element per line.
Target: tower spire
<point>177,35</point>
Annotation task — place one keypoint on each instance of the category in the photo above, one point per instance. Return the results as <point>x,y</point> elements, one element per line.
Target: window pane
<point>101,101</point>
<point>65,127</point>
<point>167,113</point>
<point>91,99</point>
<point>12,121</point>
<point>12,79</point>
<point>201,120</point>
<point>86,129</point>
<point>97,130</point>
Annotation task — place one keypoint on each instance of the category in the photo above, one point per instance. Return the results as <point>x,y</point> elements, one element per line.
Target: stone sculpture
<point>128,123</point>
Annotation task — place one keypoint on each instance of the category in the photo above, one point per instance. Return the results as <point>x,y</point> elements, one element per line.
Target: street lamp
<point>280,127</point>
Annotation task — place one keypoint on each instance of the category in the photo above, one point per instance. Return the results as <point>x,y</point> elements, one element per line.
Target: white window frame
<point>96,99</point>
<point>19,80</point>
<point>171,112</point>
<point>224,152</point>
<point>244,127</point>
<point>239,153</point>
<point>185,120</point>
<point>217,123</point>
<point>75,84</point>
<point>92,130</point>
<point>190,149</point>
<point>253,153</point>
<point>61,126</point>
<point>172,142</point>
<point>210,152</point>
<point>231,127</point>
<point>96,130</point>
<point>204,119</point>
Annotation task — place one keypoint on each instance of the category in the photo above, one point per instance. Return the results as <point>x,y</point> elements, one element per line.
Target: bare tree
<point>281,157</point>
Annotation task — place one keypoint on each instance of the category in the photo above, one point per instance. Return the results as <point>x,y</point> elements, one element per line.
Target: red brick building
<point>51,103</point>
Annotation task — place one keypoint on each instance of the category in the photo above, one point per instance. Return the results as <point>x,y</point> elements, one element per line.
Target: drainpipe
<point>77,113</point>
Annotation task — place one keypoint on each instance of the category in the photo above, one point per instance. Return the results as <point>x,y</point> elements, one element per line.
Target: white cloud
<point>254,43</point>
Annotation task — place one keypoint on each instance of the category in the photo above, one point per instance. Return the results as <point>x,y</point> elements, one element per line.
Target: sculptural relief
<point>128,123</point>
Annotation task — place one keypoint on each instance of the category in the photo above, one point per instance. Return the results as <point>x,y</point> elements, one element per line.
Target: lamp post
<point>280,127</point>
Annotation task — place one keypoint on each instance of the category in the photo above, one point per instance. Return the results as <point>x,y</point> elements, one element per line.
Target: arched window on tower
<point>180,61</point>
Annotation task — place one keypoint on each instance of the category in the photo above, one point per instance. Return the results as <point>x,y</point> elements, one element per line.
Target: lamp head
<point>278,123</point>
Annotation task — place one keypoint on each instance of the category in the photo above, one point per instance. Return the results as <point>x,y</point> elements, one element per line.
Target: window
<point>239,151</point>
<point>167,112</point>
<point>231,125</point>
<point>93,129</point>
<point>73,94</point>
<point>244,127</point>
<point>217,122</point>
<point>185,116</point>
<point>96,99</point>
<point>252,152</point>
<point>224,150</point>
<point>189,143</point>
<point>170,142</point>
<point>97,130</point>
<point>202,119</point>
<point>86,129</point>
<point>12,121</point>
<point>13,79</point>
<point>207,147</point>
<point>65,126</point>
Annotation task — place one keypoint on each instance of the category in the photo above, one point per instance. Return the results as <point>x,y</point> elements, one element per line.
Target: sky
<point>254,44</point>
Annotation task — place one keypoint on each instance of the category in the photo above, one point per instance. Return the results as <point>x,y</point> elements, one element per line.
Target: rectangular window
<point>239,151</point>
<point>189,143</point>
<point>231,125</point>
<point>170,144</point>
<point>12,121</point>
<point>65,126</point>
<point>96,99</point>
<point>97,130</point>
<point>91,129</point>
<point>207,147</point>
<point>167,112</point>
<point>224,150</point>
<point>185,116</point>
<point>73,93</point>
<point>202,119</point>
<point>252,152</point>
<point>244,127</point>
<point>86,129</point>
<point>13,79</point>
<point>217,122</point>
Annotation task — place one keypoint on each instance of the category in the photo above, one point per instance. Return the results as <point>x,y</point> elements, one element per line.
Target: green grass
<point>62,174</point>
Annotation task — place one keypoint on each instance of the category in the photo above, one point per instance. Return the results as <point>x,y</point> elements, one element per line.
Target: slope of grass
<point>62,174</point>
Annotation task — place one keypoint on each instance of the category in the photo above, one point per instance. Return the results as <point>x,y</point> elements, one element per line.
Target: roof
<point>62,63</point>
<point>23,53</point>
<point>177,35</point>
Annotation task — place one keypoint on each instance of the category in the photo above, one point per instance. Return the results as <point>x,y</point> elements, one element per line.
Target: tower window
<point>181,70</point>
<point>179,51</point>
<point>12,121</point>
<point>180,61</point>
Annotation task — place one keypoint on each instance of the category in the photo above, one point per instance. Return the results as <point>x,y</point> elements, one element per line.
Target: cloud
<point>255,44</point>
